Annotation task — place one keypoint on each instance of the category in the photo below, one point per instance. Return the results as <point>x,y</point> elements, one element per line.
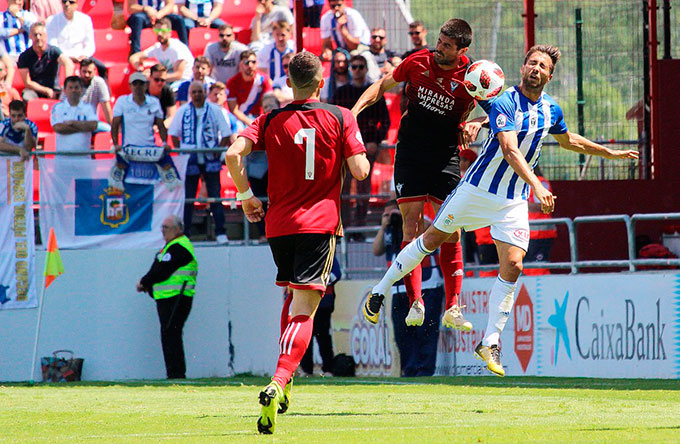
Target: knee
<point>514,267</point>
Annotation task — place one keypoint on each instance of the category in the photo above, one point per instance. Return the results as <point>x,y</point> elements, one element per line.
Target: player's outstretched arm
<point>514,157</point>
<point>577,143</point>
<point>359,166</point>
<point>374,93</point>
<point>252,206</point>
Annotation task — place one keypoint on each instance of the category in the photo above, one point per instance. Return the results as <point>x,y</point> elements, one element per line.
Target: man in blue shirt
<point>18,134</point>
<point>495,188</point>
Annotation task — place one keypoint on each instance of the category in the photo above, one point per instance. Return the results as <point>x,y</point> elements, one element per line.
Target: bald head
<point>197,93</point>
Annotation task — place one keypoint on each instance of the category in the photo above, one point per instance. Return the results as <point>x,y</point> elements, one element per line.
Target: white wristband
<point>245,195</point>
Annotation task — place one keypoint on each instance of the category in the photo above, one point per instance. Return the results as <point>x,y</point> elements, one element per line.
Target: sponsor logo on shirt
<point>501,120</point>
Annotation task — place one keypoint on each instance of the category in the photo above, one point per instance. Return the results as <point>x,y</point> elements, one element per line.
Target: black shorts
<point>431,176</point>
<point>303,261</point>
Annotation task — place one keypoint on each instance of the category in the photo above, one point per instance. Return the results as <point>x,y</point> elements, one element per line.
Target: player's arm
<point>252,207</point>
<point>514,157</point>
<point>471,130</point>
<point>359,166</point>
<point>577,143</point>
<point>374,93</point>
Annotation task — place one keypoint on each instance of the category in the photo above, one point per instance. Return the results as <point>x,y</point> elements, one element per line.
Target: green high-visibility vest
<point>183,277</point>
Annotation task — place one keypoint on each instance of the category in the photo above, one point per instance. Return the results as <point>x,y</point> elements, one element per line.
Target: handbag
<point>57,368</point>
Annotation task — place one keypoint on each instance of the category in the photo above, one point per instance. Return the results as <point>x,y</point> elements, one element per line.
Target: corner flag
<point>53,265</point>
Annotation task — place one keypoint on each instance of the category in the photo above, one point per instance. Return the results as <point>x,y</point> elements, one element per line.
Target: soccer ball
<point>484,80</point>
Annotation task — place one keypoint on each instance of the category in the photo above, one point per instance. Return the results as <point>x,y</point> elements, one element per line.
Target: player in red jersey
<point>426,165</point>
<point>308,145</point>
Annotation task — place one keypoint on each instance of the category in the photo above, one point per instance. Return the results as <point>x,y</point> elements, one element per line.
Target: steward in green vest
<point>171,281</point>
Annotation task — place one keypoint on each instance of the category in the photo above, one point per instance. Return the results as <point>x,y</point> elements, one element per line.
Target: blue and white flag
<point>86,213</point>
<point>17,234</point>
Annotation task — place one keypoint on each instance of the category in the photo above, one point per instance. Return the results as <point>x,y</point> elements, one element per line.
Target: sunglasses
<point>358,66</point>
<point>414,33</point>
<point>378,37</point>
<point>249,62</point>
<point>159,30</point>
<point>69,2</point>
<point>226,35</point>
<point>158,79</point>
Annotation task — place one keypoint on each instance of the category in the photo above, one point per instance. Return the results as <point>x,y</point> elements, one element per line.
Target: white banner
<point>17,234</point>
<point>86,213</point>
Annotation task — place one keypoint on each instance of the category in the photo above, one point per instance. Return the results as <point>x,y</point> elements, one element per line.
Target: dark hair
<point>164,21</point>
<point>217,85</point>
<point>225,26</point>
<point>87,61</point>
<point>459,31</point>
<point>200,60</point>
<point>416,23</point>
<point>247,53</point>
<point>73,79</point>
<point>158,67</point>
<point>552,51</point>
<point>358,58</point>
<point>304,70</point>
<point>17,105</point>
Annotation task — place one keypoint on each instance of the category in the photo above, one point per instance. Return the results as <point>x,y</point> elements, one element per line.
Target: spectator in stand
<point>245,89</point>
<point>146,13</point>
<point>224,54</point>
<point>201,71</point>
<point>541,237</point>
<point>312,12</point>
<point>16,25</point>
<point>200,124</point>
<point>217,94</point>
<point>73,120</point>
<point>283,92</point>
<point>417,345</point>
<point>339,75</point>
<point>373,129</point>
<point>418,34</point>
<point>270,57</point>
<point>18,134</point>
<point>7,92</point>
<point>159,88</point>
<point>266,14</point>
<point>10,66</point>
<point>45,8</point>
<point>39,66</point>
<point>170,52</point>
<point>73,33</point>
<point>381,61</point>
<point>342,27</point>
<point>201,13</point>
<point>96,92</point>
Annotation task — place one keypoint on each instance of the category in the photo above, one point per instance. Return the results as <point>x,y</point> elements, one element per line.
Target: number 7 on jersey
<point>310,135</point>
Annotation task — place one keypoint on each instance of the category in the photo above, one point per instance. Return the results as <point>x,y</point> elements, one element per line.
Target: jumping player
<point>496,186</point>
<point>308,144</point>
<point>426,166</point>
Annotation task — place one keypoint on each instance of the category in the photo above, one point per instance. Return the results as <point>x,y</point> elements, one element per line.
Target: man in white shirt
<point>224,54</point>
<point>73,33</point>
<point>270,57</point>
<point>266,14</point>
<point>200,124</point>
<point>172,53</point>
<point>283,92</point>
<point>342,27</point>
<point>73,120</point>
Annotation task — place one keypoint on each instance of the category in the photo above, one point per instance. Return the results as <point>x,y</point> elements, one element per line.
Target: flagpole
<point>37,330</point>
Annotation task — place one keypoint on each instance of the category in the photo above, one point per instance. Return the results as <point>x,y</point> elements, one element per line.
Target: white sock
<point>406,260</point>
<point>500,305</point>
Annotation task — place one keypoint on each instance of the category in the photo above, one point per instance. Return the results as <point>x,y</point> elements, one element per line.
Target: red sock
<point>292,346</point>
<point>413,282</point>
<point>451,263</point>
<point>285,318</point>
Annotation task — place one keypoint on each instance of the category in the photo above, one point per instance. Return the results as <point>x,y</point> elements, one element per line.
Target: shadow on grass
<point>474,381</point>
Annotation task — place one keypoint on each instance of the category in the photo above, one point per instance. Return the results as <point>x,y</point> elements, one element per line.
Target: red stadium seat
<point>112,46</point>
<point>238,13</point>
<point>39,111</point>
<point>381,179</point>
<point>100,11</point>
<point>228,189</point>
<point>243,36</point>
<point>393,106</point>
<point>199,39</point>
<point>17,82</point>
<point>311,38</point>
<point>119,74</point>
<point>103,142</point>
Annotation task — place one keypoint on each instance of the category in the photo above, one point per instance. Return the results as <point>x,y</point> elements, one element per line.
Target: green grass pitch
<point>347,410</point>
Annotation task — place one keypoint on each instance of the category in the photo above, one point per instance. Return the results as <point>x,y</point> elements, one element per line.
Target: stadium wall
<point>597,325</point>
<point>94,310</point>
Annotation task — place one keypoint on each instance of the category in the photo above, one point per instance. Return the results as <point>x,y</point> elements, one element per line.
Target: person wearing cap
<point>136,115</point>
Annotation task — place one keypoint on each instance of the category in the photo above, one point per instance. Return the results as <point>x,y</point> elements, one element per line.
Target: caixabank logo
<point>524,327</point>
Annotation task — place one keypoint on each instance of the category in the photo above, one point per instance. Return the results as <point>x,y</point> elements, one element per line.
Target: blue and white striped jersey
<point>201,8</point>
<point>532,121</point>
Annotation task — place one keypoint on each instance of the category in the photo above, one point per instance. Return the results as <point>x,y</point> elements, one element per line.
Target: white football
<point>484,80</point>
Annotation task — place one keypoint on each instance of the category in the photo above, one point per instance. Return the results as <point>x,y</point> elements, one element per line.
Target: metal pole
<point>529,24</point>
<point>646,108</point>
<point>299,23</point>
<point>653,85</point>
<point>666,29</point>
<point>580,102</point>
<point>37,333</point>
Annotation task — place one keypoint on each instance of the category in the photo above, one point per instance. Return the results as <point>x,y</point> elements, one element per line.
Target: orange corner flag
<point>53,264</point>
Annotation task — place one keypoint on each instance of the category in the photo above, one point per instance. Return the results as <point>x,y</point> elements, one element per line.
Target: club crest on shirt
<point>501,120</point>
<point>454,85</point>
<point>449,219</point>
<point>533,120</point>
<point>426,73</point>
